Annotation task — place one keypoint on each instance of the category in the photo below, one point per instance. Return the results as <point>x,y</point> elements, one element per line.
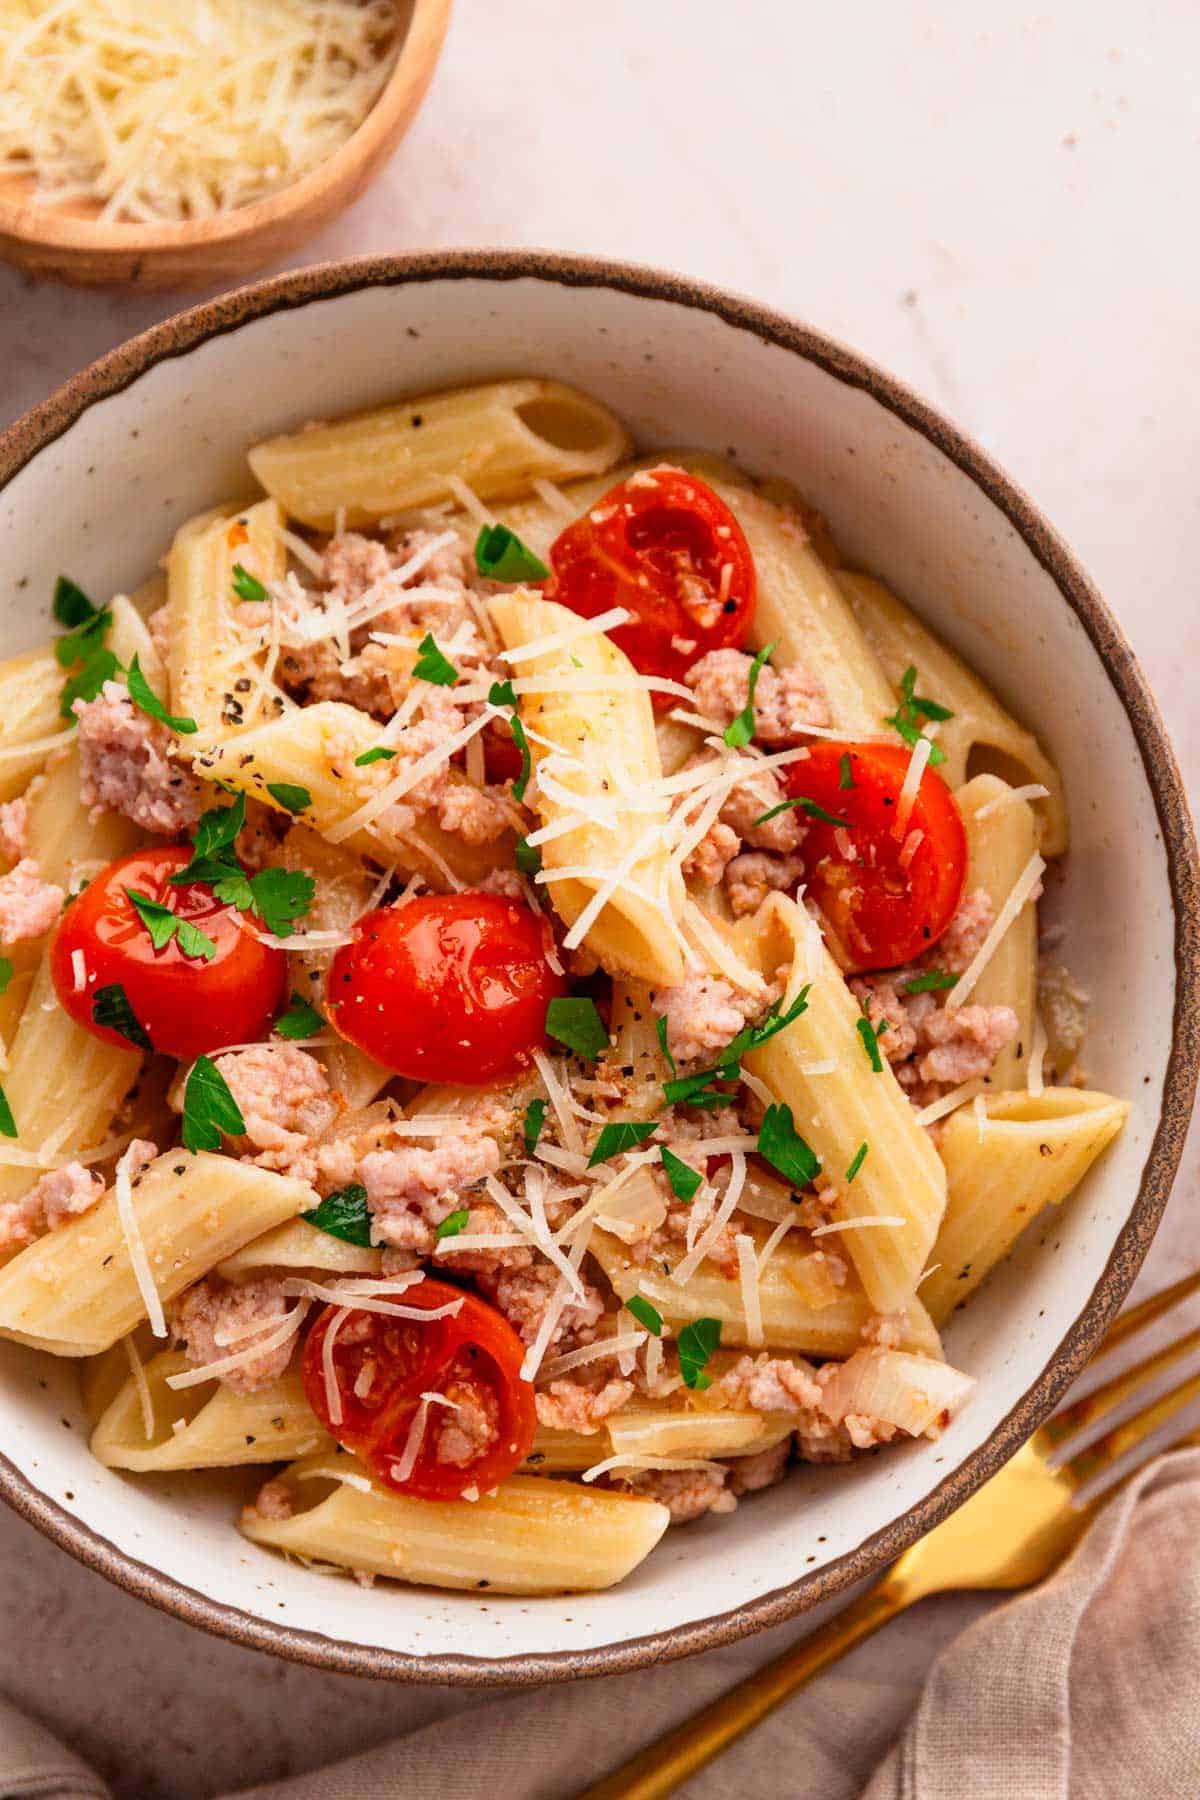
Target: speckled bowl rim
<point>176,337</point>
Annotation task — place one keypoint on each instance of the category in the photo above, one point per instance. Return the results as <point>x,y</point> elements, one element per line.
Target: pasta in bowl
<point>553,1016</point>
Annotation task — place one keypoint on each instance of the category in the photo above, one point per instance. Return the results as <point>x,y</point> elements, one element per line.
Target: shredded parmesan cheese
<point>857,1224</point>
<point>567,635</point>
<point>979,1107</point>
<point>950,1102</point>
<point>1036,1071</point>
<point>685,1269</point>
<point>154,111</point>
<point>575,1359</point>
<point>651,1462</point>
<point>748,1274</point>
<point>142,1385</point>
<point>139,1262</point>
<point>225,1365</point>
<point>333,1393</point>
<point>921,752</point>
<point>1026,883</point>
<point>1033,790</point>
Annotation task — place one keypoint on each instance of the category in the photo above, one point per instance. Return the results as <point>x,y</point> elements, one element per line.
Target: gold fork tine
<point>1109,1450</point>
<point>1148,1310</point>
<point>1102,1400</point>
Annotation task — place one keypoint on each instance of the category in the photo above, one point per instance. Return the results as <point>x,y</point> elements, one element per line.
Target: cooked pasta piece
<point>205,1427</point>
<point>31,722</point>
<point>848,1103</point>
<point>497,439</point>
<point>78,1290</point>
<point>980,727</point>
<point>1001,839</point>
<point>532,1536</point>
<point>1032,1152</point>
<point>609,876</point>
<point>298,1245</point>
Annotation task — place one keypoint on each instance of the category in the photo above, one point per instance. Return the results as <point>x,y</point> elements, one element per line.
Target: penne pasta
<point>532,1536</point>
<point>980,726</point>
<point>206,1427</point>
<point>497,439</point>
<point>1001,838</point>
<point>298,1245</point>
<point>31,722</point>
<point>1032,1152</point>
<point>604,757</point>
<point>77,1291</point>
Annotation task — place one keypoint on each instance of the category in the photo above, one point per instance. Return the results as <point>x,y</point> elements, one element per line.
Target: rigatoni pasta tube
<point>1032,1152</point>
<point>606,760</point>
<point>497,438</point>
<point>75,1291</point>
<point>791,1320</point>
<point>207,658</point>
<point>847,1103</point>
<point>530,1536</point>
<point>316,747</point>
<point>980,723</point>
<point>1001,837</point>
<point>205,1427</point>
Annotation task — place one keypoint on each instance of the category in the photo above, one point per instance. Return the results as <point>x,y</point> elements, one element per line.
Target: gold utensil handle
<point>670,1760</point>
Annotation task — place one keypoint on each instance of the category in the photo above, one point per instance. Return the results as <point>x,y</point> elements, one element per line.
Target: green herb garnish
<point>85,685</point>
<point>683,1178</point>
<point>740,730</point>
<point>501,556</point>
<point>163,925</point>
<point>809,807</point>
<point>625,1134</point>
<point>84,641</point>
<point>8,1125</point>
<point>535,1119</point>
<point>574,1021</point>
<point>247,586</point>
<point>697,1342</point>
<point>453,1223</point>
<point>432,665</point>
<point>783,1147</point>
<point>344,1215</point>
<point>501,694</point>
<point>290,795</point>
<point>527,857</point>
<point>660,1027</point>
<point>210,1110</point>
<point>143,696</point>
<point>689,1088</point>
<point>870,1036</point>
<point>71,606</point>
<point>845,771</point>
<point>299,1021</point>
<point>6,973</point>
<point>645,1314</point>
<point>111,1008</point>
<point>379,754</point>
<point>860,1157</point>
<point>932,982</point>
<point>912,709</point>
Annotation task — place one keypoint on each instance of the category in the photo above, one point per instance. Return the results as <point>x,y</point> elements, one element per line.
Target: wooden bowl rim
<point>174,337</point>
<point>43,226</point>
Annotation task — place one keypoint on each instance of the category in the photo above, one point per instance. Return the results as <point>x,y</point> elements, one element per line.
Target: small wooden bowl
<point>71,244</point>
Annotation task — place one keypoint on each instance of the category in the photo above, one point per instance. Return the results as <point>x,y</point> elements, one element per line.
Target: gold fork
<point>1012,1533</point>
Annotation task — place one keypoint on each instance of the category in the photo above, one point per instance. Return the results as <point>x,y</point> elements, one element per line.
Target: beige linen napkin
<point>1087,1688</point>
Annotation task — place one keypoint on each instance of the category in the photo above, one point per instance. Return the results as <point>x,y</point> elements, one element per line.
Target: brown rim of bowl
<point>175,337</point>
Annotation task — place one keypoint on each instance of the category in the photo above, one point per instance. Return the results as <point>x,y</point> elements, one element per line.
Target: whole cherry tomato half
<point>186,1004</point>
<point>886,896</point>
<point>667,548</point>
<point>449,987</point>
<point>381,1368</point>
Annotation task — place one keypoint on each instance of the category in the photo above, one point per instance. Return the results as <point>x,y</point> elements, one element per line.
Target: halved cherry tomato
<point>382,1365</point>
<point>666,547</point>
<point>502,761</point>
<point>186,1005</point>
<point>893,895</point>
<point>450,987</point>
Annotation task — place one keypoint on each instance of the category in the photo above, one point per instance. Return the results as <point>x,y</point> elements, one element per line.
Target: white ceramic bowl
<point>96,480</point>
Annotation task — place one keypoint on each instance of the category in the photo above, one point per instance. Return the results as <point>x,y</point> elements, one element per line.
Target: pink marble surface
<point>993,203</point>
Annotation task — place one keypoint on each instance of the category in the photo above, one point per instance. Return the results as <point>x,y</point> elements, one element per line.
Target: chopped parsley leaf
<point>683,1178</point>
<point>527,857</point>
<point>8,1125</point>
<point>912,709</point>
<point>574,1021</point>
<point>6,973</point>
<point>84,641</point>
<point>71,606</point>
<point>144,697</point>
<point>783,1147</point>
<point>291,795</point>
<point>111,1008</point>
<point>344,1215</point>
<point>688,1088</point>
<point>453,1223</point>
<point>247,586</point>
<point>380,753</point>
<point>740,730</point>
<point>809,807</point>
<point>501,556</point>
<point>299,1021</point>
<point>660,1026</point>
<point>432,665</point>
<point>625,1134</point>
<point>535,1120</point>
<point>501,694</point>
<point>870,1037</point>
<point>845,771</point>
<point>645,1314</point>
<point>100,667</point>
<point>932,982</point>
<point>163,925</point>
<point>860,1157</point>
<point>209,1108</point>
<point>697,1342</point>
